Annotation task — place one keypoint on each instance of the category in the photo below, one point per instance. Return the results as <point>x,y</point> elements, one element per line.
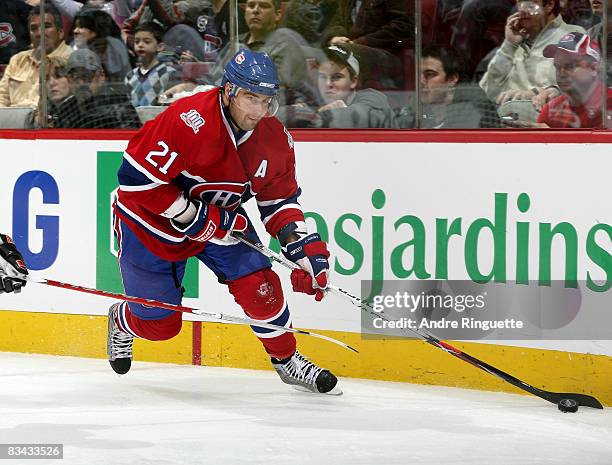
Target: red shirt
<point>559,113</point>
<point>189,151</point>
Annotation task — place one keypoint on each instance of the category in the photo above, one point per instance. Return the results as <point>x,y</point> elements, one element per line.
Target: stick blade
<point>583,400</point>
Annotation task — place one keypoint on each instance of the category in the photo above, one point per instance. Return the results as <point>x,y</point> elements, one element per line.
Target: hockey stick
<point>554,397</point>
<point>221,317</point>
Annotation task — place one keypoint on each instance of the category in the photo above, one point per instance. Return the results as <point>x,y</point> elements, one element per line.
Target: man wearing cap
<point>342,105</point>
<point>577,64</point>
<point>94,103</point>
<point>19,84</point>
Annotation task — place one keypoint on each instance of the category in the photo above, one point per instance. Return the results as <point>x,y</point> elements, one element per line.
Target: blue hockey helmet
<point>253,71</point>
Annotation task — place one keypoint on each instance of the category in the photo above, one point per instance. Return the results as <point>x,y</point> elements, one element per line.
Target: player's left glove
<point>310,252</point>
<point>13,271</point>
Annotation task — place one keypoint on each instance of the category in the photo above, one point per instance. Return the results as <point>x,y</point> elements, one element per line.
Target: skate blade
<point>336,391</point>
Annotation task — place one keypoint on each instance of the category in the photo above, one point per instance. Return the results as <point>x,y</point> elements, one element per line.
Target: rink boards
<point>369,200</point>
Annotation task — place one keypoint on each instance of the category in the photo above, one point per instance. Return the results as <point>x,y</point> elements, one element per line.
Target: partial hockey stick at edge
<point>553,397</point>
<point>214,316</point>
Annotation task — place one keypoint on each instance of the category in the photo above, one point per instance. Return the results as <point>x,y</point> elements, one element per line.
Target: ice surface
<point>170,414</point>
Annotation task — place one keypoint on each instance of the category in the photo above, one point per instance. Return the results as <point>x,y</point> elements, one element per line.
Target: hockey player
<point>182,181</point>
<point>13,271</point>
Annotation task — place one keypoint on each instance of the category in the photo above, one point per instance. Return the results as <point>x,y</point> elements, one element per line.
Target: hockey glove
<point>211,222</point>
<point>13,271</point>
<point>310,252</point>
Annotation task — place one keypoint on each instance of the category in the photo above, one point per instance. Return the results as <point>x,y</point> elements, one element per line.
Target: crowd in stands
<point>342,63</point>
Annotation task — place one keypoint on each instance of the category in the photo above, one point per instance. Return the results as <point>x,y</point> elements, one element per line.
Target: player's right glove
<point>210,222</point>
<point>13,271</point>
<point>310,252</point>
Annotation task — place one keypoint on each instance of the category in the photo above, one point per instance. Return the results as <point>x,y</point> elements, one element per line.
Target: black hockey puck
<point>568,405</point>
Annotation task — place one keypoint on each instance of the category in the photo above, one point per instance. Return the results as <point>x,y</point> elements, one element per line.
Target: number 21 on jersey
<point>158,157</point>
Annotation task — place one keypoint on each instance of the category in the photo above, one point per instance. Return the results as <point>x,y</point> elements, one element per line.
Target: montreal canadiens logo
<point>224,195</point>
<point>6,34</point>
<point>239,58</point>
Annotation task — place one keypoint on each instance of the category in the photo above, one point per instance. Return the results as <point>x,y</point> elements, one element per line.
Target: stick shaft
<point>220,317</point>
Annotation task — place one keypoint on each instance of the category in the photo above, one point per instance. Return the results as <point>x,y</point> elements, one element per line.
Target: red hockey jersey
<point>190,151</point>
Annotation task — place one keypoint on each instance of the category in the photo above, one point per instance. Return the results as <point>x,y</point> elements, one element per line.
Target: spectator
<point>377,31</point>
<point>58,87</point>
<point>578,12</point>
<point>197,27</point>
<point>309,18</point>
<point>123,9</point>
<point>519,71</point>
<point>149,80</point>
<point>93,103</point>
<point>596,32</point>
<point>57,83</point>
<point>14,36</point>
<point>597,8</point>
<point>284,46</point>
<point>577,62</point>
<point>92,29</point>
<point>480,29</point>
<point>20,84</point>
<point>447,101</point>
<point>118,9</point>
<point>343,106</point>
<point>221,9</point>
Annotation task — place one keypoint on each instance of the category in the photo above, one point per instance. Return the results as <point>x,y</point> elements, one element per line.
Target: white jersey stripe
<point>280,312</point>
<point>123,320</point>
<point>144,187</point>
<point>192,176</point>
<point>135,164</point>
<point>291,206</point>
<point>151,228</point>
<point>245,137</point>
<point>276,333</point>
<point>268,203</point>
<point>179,206</point>
<point>227,124</point>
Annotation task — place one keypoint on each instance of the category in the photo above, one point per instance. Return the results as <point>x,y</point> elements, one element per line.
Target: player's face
<point>145,45</point>
<point>335,83</point>
<point>53,36</point>
<point>261,16</point>
<point>248,108</point>
<point>435,83</point>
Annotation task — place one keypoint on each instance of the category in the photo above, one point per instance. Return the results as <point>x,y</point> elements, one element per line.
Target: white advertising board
<point>389,210</point>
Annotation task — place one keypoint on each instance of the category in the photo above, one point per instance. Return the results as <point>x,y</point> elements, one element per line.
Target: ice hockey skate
<point>118,344</point>
<point>304,375</point>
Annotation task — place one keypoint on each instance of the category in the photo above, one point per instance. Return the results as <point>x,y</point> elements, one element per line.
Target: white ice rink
<point>169,414</point>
